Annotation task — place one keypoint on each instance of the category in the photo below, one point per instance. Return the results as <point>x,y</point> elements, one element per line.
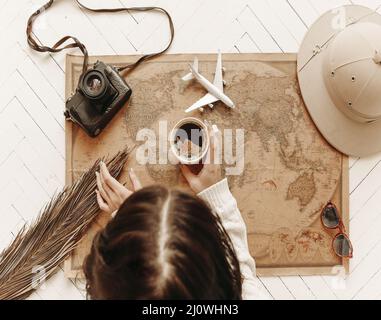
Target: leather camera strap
<point>75,43</point>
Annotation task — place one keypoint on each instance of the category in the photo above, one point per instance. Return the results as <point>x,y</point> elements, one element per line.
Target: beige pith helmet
<point>339,71</point>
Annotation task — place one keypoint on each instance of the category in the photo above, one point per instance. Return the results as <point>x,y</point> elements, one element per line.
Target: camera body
<point>101,93</point>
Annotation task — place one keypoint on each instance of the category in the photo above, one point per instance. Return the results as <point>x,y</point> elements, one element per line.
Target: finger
<point>135,180</point>
<point>215,145</point>
<point>214,136</point>
<point>109,180</point>
<point>110,192</point>
<point>113,198</point>
<point>102,205</point>
<point>209,157</point>
<point>187,173</point>
<point>116,192</point>
<point>206,159</point>
<point>101,189</point>
<point>216,133</point>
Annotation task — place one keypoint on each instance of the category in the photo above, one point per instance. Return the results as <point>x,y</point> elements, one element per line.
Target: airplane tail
<point>194,68</point>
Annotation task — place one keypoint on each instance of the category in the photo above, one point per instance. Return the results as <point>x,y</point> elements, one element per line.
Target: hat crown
<point>352,71</point>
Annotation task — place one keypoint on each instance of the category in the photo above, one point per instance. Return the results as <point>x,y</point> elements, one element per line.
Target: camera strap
<point>75,43</point>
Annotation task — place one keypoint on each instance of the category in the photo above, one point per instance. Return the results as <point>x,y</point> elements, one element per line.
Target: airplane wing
<point>207,99</point>
<point>187,77</point>
<point>218,80</point>
<point>194,68</point>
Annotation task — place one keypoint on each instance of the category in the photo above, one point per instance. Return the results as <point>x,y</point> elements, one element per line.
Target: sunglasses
<point>331,219</point>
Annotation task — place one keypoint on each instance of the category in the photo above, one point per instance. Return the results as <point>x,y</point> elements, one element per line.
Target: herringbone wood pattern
<point>32,100</point>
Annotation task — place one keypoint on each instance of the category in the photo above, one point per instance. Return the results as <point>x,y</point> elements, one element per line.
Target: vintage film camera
<point>101,93</point>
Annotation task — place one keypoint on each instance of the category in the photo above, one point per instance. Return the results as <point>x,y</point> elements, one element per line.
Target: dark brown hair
<point>163,244</point>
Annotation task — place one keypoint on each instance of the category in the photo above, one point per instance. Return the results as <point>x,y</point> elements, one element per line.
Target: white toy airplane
<point>215,89</point>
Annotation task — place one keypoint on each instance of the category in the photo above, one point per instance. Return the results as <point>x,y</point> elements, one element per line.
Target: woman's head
<point>163,244</point>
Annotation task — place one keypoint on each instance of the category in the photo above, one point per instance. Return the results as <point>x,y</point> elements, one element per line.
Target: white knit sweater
<point>224,204</point>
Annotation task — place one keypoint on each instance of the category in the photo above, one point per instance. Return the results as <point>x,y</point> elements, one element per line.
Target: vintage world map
<point>289,172</point>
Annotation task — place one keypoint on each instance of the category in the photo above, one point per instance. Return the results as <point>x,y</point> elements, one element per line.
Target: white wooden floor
<point>32,101</point>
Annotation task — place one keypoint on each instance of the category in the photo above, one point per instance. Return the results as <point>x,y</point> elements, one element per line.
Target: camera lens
<point>94,84</point>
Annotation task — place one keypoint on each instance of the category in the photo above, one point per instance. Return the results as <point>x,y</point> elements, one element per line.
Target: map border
<point>74,62</point>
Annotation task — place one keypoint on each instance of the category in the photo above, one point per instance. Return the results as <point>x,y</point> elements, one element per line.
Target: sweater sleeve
<point>223,203</point>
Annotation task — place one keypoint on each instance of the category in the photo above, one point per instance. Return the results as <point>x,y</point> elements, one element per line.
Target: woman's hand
<point>110,193</point>
<point>211,172</point>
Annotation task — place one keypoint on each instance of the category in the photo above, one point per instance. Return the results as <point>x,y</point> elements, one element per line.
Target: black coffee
<point>192,132</point>
<point>189,140</point>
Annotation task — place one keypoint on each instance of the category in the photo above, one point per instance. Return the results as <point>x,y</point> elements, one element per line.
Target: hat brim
<point>346,135</point>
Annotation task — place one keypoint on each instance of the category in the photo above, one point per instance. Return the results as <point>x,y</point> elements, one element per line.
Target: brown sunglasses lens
<point>330,216</point>
<point>342,246</point>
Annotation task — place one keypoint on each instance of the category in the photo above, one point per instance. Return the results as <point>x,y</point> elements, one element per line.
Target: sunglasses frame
<point>342,231</point>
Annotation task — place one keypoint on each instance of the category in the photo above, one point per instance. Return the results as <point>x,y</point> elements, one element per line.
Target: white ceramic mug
<point>174,142</point>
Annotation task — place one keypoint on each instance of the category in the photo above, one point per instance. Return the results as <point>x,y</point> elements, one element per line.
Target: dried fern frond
<point>55,233</point>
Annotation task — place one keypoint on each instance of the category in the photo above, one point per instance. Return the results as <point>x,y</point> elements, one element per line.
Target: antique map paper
<point>290,172</point>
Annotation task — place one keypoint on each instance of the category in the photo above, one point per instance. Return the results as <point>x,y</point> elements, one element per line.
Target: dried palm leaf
<point>56,232</point>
